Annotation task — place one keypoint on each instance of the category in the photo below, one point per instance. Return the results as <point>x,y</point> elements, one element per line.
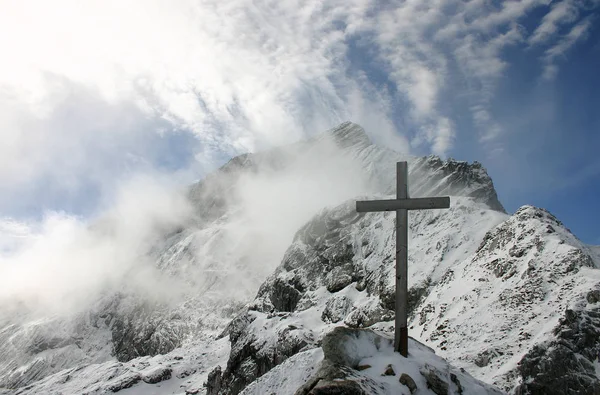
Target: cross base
<point>401,345</point>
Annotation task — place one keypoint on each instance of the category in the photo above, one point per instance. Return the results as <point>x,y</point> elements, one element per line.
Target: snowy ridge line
<point>474,273</point>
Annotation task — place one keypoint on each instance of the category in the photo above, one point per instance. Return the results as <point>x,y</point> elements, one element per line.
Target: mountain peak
<point>348,134</point>
<point>452,177</point>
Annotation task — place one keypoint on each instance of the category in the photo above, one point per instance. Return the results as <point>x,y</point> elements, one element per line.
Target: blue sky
<point>174,90</point>
<point>555,135</point>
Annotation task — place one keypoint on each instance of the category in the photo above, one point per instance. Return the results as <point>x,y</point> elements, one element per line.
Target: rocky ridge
<point>495,309</point>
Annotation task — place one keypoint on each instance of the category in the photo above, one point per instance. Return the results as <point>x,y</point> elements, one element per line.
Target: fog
<point>112,122</point>
<point>63,263</point>
<point>270,206</point>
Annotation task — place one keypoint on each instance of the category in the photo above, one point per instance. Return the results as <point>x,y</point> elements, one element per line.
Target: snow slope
<point>184,369</point>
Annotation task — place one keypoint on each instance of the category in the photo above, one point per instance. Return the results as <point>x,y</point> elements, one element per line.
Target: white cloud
<point>243,75</point>
<point>12,234</point>
<point>489,18</point>
<point>577,33</point>
<point>424,44</point>
<point>61,263</point>
<point>561,13</point>
<point>240,75</point>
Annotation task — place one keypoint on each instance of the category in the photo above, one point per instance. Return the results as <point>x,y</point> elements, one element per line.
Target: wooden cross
<point>401,205</point>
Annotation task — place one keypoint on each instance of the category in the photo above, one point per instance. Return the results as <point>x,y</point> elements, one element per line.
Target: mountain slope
<point>509,298</point>
<point>490,306</point>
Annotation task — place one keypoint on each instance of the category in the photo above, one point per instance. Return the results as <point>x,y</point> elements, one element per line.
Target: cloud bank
<point>63,263</point>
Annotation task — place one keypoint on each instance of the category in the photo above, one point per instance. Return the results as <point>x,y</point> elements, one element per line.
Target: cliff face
<point>262,277</point>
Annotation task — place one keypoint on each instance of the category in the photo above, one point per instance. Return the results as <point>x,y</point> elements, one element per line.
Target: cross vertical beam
<point>401,205</point>
<point>401,332</point>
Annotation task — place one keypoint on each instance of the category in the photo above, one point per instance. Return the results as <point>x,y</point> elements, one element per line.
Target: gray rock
<point>483,358</point>
<point>434,379</point>
<point>336,309</point>
<point>237,326</point>
<point>451,174</point>
<point>406,380</point>
<point>124,382</point>
<point>456,381</point>
<point>416,295</point>
<point>340,387</point>
<point>565,365</point>
<point>248,360</point>
<point>284,296</point>
<point>157,375</point>
<point>141,329</point>
<point>389,371</point>
<point>338,345</point>
<point>366,316</point>
<point>593,296</point>
<point>328,371</point>
<point>214,381</point>
<point>338,279</point>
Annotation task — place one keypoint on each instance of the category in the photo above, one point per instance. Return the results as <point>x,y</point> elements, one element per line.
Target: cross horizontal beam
<point>402,204</point>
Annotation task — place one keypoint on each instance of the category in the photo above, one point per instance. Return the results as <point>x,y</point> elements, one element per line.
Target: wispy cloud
<point>238,75</point>
<point>562,13</point>
<point>243,75</point>
<point>577,33</point>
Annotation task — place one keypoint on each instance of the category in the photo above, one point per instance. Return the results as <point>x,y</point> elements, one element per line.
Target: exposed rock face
<point>214,384</point>
<point>523,274</point>
<point>253,353</point>
<point>331,378</point>
<point>337,387</point>
<point>430,175</point>
<point>434,379</point>
<point>121,326</point>
<point>157,375</point>
<point>330,246</point>
<point>114,376</point>
<point>336,309</point>
<point>338,345</point>
<point>565,365</point>
<point>453,177</point>
<point>146,331</point>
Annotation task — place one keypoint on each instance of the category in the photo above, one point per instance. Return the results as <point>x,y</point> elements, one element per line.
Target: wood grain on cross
<point>401,205</point>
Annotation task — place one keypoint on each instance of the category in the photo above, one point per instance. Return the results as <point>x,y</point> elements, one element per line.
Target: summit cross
<point>401,205</point>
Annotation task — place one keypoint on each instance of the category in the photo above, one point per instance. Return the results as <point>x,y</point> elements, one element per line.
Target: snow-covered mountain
<point>276,258</point>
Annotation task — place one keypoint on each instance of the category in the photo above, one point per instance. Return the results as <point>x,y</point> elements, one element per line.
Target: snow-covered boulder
<point>361,362</point>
